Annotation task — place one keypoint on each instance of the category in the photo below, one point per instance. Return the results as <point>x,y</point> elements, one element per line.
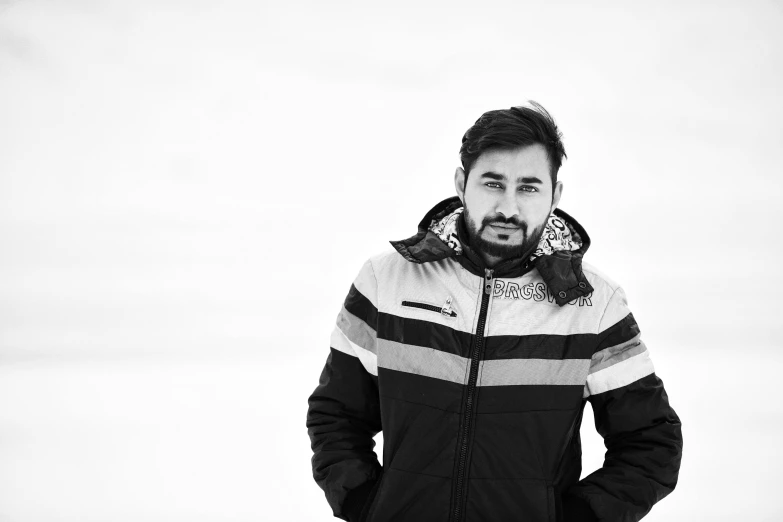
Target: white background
<point>187,190</point>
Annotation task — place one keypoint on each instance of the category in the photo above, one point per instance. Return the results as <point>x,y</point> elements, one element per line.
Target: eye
<point>492,184</point>
<point>528,189</point>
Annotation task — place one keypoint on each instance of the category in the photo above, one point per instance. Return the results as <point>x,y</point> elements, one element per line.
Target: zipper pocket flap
<point>443,310</point>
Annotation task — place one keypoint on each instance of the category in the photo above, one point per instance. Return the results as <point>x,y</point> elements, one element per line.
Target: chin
<point>502,240</point>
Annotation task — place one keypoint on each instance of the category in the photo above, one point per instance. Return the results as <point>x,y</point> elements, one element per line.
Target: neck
<point>489,260</point>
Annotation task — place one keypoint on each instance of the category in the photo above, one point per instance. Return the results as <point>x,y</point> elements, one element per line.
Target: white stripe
<point>619,375</point>
<point>429,283</point>
<point>368,359</point>
<point>434,282</point>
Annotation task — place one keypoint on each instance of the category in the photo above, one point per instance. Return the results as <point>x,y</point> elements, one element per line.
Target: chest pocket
<point>445,309</point>
<point>434,321</point>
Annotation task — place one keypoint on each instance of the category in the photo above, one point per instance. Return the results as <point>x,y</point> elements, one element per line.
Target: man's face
<point>507,199</point>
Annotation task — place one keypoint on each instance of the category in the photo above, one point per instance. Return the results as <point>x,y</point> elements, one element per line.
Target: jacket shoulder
<point>386,259</point>
<point>599,280</point>
<point>377,266</point>
<point>385,256</point>
<point>607,294</point>
<point>612,297</point>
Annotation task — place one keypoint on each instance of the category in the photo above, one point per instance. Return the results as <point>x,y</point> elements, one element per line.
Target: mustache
<point>502,220</point>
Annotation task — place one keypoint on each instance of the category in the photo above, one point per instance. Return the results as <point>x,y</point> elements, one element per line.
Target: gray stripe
<point>422,361</point>
<point>510,372</point>
<point>505,372</point>
<point>618,353</point>
<point>359,332</point>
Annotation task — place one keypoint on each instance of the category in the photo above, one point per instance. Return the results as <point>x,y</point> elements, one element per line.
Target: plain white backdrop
<point>187,190</point>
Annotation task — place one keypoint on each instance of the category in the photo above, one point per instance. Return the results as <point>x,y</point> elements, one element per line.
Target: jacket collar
<point>558,256</point>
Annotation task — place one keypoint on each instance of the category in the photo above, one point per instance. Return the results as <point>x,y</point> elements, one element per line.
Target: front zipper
<point>476,353</point>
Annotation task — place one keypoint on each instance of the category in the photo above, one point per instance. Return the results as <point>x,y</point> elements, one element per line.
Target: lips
<point>504,227</point>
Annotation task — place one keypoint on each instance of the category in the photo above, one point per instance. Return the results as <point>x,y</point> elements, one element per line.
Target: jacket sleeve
<point>641,431</point>
<point>344,411</point>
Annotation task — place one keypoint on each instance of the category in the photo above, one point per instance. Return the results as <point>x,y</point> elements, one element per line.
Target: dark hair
<point>511,128</point>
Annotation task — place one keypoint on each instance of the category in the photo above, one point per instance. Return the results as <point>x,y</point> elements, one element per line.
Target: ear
<point>556,194</point>
<point>459,183</point>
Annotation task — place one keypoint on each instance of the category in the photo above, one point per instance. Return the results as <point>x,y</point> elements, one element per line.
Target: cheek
<point>478,207</point>
<point>537,210</point>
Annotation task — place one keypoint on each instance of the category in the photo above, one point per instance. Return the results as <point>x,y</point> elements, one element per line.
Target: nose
<point>508,205</point>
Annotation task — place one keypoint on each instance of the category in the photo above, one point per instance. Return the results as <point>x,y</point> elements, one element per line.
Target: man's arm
<point>641,431</point>
<point>344,412</point>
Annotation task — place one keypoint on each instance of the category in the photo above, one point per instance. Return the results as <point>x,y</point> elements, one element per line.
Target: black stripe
<point>423,333</point>
<point>445,395</point>
<point>575,346</point>
<point>506,399</point>
<point>622,331</point>
<point>445,339</point>
<point>361,307</point>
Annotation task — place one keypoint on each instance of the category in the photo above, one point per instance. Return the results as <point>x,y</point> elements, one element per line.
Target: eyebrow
<point>501,177</point>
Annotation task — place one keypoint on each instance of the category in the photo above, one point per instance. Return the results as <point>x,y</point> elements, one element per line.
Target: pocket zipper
<point>444,310</point>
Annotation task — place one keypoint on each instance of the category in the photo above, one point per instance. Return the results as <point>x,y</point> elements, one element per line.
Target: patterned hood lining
<point>558,235</point>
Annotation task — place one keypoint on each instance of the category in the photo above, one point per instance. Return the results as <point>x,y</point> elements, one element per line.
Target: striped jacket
<point>478,379</point>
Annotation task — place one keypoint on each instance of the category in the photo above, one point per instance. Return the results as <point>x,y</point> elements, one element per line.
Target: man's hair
<point>507,129</point>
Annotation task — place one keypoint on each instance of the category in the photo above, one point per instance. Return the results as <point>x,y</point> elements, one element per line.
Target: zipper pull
<point>446,309</point>
<point>487,281</point>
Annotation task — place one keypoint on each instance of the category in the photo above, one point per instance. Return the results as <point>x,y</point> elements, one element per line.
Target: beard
<point>502,250</point>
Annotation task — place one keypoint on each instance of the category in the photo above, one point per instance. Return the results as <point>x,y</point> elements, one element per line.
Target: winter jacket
<point>478,379</point>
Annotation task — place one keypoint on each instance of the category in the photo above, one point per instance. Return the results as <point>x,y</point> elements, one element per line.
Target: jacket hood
<point>558,256</point>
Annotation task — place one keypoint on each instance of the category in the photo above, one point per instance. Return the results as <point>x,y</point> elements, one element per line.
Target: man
<point>474,346</point>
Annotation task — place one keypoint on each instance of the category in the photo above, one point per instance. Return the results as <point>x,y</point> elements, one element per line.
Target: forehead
<point>530,160</point>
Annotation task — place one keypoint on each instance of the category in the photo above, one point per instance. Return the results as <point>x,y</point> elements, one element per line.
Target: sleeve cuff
<point>354,502</point>
<point>577,510</point>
